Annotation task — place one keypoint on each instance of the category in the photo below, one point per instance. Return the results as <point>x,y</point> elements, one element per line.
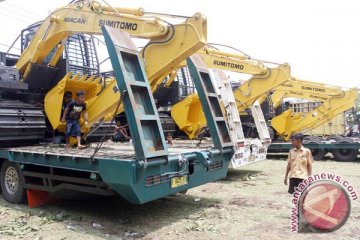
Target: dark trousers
<point>294,182</point>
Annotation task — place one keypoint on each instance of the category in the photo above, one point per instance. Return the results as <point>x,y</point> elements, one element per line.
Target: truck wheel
<point>317,153</point>
<point>345,155</point>
<point>12,183</point>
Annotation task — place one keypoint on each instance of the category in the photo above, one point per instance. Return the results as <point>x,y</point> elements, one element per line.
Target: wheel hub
<point>11,180</point>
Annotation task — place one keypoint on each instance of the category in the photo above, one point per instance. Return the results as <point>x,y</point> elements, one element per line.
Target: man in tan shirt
<point>299,163</point>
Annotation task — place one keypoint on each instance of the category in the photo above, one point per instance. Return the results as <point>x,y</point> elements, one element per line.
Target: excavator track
<point>20,123</point>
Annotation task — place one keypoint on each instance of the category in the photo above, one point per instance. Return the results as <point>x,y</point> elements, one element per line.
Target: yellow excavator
<point>169,45</point>
<point>188,114</point>
<point>334,100</point>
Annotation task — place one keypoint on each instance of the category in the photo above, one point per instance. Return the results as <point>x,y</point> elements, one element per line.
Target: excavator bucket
<point>54,98</point>
<point>188,115</point>
<point>280,122</point>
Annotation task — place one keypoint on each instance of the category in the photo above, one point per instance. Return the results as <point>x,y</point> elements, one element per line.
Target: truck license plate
<point>179,181</point>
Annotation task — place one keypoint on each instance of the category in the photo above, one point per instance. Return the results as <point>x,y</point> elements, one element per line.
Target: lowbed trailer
<point>113,170</point>
<point>145,171</point>
<point>345,149</point>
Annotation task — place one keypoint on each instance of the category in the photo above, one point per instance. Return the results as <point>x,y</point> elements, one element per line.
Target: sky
<point>319,39</point>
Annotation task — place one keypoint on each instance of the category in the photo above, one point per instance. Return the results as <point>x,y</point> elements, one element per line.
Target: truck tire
<point>12,183</point>
<point>318,153</point>
<point>345,155</point>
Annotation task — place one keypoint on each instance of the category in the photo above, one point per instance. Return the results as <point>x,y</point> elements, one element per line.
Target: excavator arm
<point>188,114</point>
<point>304,89</point>
<point>258,85</point>
<point>216,59</point>
<point>263,80</point>
<point>333,100</point>
<point>169,45</point>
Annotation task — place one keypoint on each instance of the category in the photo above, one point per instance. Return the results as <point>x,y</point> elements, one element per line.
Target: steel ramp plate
<point>139,104</point>
<point>260,123</point>
<point>210,102</point>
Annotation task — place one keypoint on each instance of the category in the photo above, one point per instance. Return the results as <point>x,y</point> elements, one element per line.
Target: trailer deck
<point>113,150</point>
<point>115,169</point>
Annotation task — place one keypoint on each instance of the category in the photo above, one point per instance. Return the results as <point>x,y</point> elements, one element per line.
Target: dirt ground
<point>251,203</point>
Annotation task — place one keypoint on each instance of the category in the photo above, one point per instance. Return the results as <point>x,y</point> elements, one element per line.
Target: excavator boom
<point>81,17</point>
<point>258,85</point>
<point>333,100</point>
<point>169,45</point>
<point>304,89</point>
<point>216,59</point>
